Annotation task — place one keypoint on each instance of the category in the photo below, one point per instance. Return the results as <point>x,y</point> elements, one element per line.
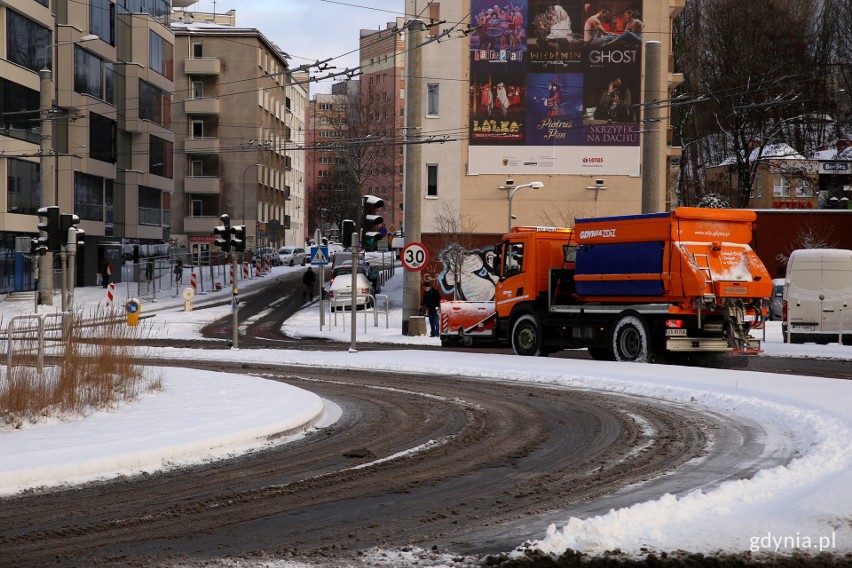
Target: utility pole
<point>45,281</point>
<point>413,157</point>
<point>651,178</point>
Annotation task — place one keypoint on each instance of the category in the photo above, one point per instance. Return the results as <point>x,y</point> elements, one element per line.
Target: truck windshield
<point>513,259</point>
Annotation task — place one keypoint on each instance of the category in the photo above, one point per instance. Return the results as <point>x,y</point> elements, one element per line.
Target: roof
<point>769,152</point>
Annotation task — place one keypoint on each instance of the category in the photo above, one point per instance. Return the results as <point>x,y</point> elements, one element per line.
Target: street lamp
<point>599,185</point>
<point>49,190</point>
<point>512,188</point>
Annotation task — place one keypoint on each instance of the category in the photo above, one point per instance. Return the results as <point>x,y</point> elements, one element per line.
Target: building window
<point>27,42</point>
<point>89,196</point>
<point>160,157</point>
<point>197,90</point>
<point>432,99</point>
<point>92,75</point>
<point>780,186</point>
<point>197,131</point>
<point>154,104</point>
<point>15,99</point>
<point>150,206</point>
<point>755,192</point>
<point>431,180</point>
<point>102,20</point>
<point>23,187</point>
<point>161,56</point>
<point>197,51</point>
<point>197,168</point>
<point>804,187</point>
<point>434,16</point>
<point>102,135</point>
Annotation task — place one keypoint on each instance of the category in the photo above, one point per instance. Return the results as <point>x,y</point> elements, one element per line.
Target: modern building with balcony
<point>241,119</point>
<point>92,135</point>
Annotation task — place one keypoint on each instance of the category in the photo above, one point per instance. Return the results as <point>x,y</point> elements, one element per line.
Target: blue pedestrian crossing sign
<point>319,255</point>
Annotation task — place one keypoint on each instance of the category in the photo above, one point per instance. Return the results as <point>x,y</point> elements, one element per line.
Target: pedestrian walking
<point>106,272</point>
<point>308,280</point>
<point>178,272</point>
<point>432,303</point>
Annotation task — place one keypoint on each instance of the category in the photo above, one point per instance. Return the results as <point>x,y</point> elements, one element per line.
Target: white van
<point>818,296</point>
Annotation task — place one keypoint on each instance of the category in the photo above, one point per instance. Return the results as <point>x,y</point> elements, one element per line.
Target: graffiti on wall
<point>476,281</point>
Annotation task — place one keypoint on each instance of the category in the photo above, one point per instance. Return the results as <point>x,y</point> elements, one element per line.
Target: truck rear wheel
<point>630,340</point>
<point>526,336</point>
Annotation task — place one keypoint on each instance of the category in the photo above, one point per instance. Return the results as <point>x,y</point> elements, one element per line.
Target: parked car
<point>268,253</point>
<point>776,302</point>
<point>291,256</point>
<point>817,292</point>
<point>340,287</point>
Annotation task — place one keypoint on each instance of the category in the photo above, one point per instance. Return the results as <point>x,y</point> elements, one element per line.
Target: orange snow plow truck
<point>630,288</point>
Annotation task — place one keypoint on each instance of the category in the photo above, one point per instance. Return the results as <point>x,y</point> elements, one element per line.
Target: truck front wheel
<point>630,340</point>
<point>526,336</point>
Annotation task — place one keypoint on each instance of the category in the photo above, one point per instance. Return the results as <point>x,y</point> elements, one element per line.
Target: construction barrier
<point>110,295</point>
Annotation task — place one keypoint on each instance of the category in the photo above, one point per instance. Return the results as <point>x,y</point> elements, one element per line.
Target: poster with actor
<point>501,34</point>
<point>555,36</point>
<point>497,107</point>
<point>554,109</point>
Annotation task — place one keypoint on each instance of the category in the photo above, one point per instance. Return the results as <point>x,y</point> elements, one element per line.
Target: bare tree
<point>559,217</point>
<point>807,238</point>
<point>756,75</point>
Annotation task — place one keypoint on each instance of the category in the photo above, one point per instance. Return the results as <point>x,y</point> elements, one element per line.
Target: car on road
<point>339,290</point>
<point>776,302</point>
<point>291,256</point>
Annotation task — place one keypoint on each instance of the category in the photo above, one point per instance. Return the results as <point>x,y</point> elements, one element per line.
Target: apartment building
<point>91,135</point>
<point>241,122</point>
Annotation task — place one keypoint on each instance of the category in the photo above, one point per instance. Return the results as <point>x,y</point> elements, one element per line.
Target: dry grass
<point>88,365</point>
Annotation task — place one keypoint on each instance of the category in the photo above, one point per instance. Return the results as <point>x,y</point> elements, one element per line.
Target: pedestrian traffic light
<point>370,222</point>
<point>347,228</point>
<point>223,233</point>
<point>81,238</point>
<point>66,222</point>
<point>238,238</point>
<point>36,248</point>
<point>48,223</point>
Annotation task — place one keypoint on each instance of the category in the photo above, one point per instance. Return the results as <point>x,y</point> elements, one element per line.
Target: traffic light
<point>348,227</point>
<point>81,238</point>
<point>36,248</point>
<point>238,238</point>
<point>223,233</point>
<point>48,223</point>
<point>66,221</point>
<point>370,222</point>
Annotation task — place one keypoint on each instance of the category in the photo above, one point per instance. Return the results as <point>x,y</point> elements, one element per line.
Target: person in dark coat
<point>432,303</point>
<point>308,280</point>
<point>106,272</point>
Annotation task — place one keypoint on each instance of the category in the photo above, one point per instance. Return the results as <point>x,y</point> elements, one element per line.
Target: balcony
<point>200,224</point>
<point>201,145</point>
<point>201,184</point>
<point>203,66</point>
<point>207,105</point>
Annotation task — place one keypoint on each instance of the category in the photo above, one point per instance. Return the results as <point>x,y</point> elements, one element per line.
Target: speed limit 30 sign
<point>414,256</point>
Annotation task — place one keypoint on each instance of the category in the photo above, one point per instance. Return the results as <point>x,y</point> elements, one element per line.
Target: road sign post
<point>415,256</point>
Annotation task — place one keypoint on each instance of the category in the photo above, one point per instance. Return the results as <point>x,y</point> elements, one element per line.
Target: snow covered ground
<point>805,506</point>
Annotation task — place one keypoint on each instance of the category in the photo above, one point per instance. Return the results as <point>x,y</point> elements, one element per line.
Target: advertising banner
<point>555,87</point>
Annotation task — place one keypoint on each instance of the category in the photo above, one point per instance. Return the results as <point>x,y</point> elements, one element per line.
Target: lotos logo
<point>593,160</point>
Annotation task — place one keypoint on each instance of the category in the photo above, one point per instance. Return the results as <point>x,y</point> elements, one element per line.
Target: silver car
<point>776,302</point>
<point>291,256</point>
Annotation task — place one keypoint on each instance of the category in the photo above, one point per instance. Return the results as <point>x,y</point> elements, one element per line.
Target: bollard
<point>110,295</point>
<point>193,281</point>
<point>246,270</point>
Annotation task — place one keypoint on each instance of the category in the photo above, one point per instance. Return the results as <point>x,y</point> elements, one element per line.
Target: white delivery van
<point>818,296</point>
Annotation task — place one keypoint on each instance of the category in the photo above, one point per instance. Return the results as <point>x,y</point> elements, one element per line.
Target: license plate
<point>804,327</point>
<point>676,332</point>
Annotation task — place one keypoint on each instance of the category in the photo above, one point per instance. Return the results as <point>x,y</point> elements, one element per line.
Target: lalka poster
<point>555,87</point>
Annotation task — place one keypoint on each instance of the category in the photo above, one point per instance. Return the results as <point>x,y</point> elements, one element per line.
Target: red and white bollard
<point>110,295</point>
<point>257,268</point>
<point>266,267</point>
<point>193,281</point>
<point>231,270</point>
<point>246,270</point>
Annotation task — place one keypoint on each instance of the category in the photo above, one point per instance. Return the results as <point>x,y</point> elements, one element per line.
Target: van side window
<point>570,253</point>
<point>513,259</point>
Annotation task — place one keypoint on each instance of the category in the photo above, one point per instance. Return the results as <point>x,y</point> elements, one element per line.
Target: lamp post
<point>512,189</point>
<point>49,191</point>
<point>599,185</point>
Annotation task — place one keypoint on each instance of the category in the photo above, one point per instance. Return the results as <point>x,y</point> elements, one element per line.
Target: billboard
<point>555,87</point>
